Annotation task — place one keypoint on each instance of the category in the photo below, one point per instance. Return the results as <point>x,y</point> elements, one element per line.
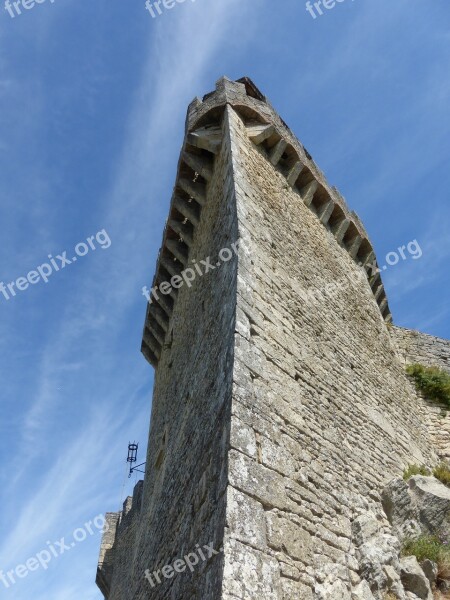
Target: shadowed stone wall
<point>186,471</point>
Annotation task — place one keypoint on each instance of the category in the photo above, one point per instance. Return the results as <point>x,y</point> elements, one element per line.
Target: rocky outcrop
<point>420,506</point>
<point>362,591</point>
<point>430,569</point>
<point>377,553</point>
<point>414,579</point>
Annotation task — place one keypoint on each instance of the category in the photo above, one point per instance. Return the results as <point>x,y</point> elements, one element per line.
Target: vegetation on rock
<point>434,548</point>
<point>426,547</point>
<point>433,382</point>
<point>412,470</point>
<point>442,472</point>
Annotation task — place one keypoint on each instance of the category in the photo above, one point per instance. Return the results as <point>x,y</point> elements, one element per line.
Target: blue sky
<point>93,99</point>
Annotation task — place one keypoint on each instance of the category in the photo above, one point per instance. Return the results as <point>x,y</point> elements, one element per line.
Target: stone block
<point>289,537</point>
<point>245,519</point>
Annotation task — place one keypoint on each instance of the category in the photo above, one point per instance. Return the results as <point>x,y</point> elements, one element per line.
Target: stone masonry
<point>281,407</point>
<point>416,347</point>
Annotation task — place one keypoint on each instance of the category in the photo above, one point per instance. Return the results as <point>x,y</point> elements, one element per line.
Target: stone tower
<point>281,405</point>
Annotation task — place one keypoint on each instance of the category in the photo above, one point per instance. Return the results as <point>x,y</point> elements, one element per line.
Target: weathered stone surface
<point>421,505</point>
<point>250,573</point>
<point>415,347</point>
<point>295,589</point>
<point>365,528</point>
<point>375,551</point>
<point>433,501</point>
<point>283,534</point>
<point>401,509</point>
<point>362,592</point>
<point>246,519</point>
<point>430,569</point>
<point>393,581</point>
<point>413,578</point>
<point>333,590</point>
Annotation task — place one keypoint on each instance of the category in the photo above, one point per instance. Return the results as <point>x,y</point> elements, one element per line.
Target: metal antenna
<point>132,458</point>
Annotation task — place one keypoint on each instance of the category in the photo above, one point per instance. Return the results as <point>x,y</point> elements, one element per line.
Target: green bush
<point>433,382</point>
<point>412,470</point>
<point>442,472</point>
<point>431,547</point>
<point>426,546</point>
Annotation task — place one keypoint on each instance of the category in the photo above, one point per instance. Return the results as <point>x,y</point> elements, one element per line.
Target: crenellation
<point>120,528</point>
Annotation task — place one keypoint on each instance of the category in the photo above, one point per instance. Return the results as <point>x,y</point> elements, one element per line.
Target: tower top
<point>202,144</point>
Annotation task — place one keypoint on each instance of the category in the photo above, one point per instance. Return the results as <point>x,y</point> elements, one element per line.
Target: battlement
<point>118,526</point>
<point>273,138</point>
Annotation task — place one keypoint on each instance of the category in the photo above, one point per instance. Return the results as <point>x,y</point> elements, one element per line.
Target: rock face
<point>362,592</point>
<point>414,579</point>
<point>377,553</point>
<point>433,500</point>
<point>418,506</point>
<point>430,569</point>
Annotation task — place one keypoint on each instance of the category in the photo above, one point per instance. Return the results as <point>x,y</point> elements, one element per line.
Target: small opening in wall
<point>189,173</point>
<point>212,118</point>
<point>337,217</point>
<point>320,200</point>
<point>350,235</point>
<point>363,252</point>
<point>305,177</point>
<point>288,160</point>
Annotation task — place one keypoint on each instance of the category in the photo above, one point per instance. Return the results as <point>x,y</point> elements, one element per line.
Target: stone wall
<point>118,544</point>
<point>106,558</point>
<point>415,347</point>
<point>323,415</point>
<point>281,406</point>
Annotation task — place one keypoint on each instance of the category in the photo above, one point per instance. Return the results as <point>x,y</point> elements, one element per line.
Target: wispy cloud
<point>76,382</point>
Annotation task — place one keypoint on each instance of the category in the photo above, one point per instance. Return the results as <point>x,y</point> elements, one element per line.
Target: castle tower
<point>281,405</point>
